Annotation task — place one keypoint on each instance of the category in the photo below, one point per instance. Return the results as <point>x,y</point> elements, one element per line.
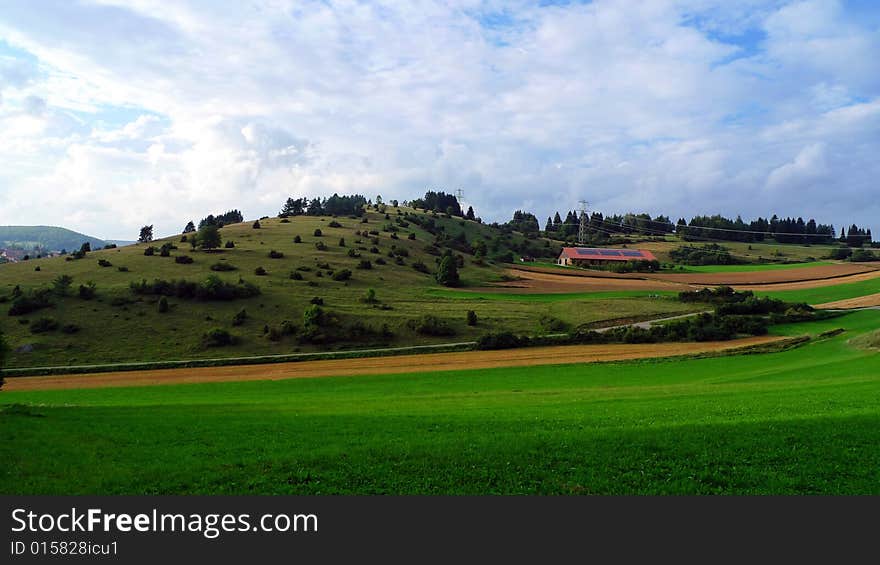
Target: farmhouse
<point>586,256</point>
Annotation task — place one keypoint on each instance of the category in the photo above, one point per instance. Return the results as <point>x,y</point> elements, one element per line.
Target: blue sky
<point>117,113</point>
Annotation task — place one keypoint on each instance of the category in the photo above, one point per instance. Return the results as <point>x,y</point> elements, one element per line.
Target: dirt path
<point>380,365</point>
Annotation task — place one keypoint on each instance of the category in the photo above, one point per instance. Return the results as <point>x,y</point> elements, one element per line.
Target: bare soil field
<point>535,281</point>
<point>544,282</point>
<point>820,272</point>
<point>870,301</point>
<point>381,365</point>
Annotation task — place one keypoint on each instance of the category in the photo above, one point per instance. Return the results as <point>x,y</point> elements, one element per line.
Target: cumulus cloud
<point>679,107</point>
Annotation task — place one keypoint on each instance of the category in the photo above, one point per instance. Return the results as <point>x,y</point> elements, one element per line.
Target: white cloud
<point>211,106</point>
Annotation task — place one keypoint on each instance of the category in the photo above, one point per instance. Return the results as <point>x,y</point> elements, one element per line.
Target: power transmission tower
<point>582,228</point>
<point>459,195</point>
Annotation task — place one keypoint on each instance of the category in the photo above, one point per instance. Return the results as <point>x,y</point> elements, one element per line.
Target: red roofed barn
<point>585,256</point>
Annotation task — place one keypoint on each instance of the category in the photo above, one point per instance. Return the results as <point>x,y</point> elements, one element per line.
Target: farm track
<point>381,365</point>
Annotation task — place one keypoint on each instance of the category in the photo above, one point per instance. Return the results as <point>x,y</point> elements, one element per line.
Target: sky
<point>119,113</point>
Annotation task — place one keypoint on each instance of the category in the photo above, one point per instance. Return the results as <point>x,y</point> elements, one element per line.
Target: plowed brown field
<point>543,282</point>
<point>381,365</point>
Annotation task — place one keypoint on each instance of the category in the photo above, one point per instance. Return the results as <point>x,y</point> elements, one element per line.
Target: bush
<point>419,266</point>
<point>709,254</point>
<point>334,224</point>
<point>218,337</point>
<point>260,272</point>
<point>150,251</point>
<point>370,297</point>
<point>239,317</point>
<point>211,289</point>
<point>320,246</point>
<point>341,242</point>
<point>221,266</point>
<point>165,252</point>
<point>501,340</point>
<point>229,244</point>
<point>275,254</point>
<point>27,303</point>
<point>104,263</point>
<point>87,291</point>
<point>430,325</point>
<point>365,264</point>
<point>122,269</point>
<point>317,300</point>
<point>61,284</point>
<point>317,232</point>
<point>862,255</point>
<point>471,318</point>
<point>381,261</point>
<point>183,259</point>
<point>297,239</point>
<point>256,225</point>
<point>163,305</point>
<point>70,328</point>
<point>43,325</point>
<point>411,236</point>
<point>342,275</point>
<point>296,275</point>
<point>353,253</point>
<point>37,268</point>
<point>548,323</point>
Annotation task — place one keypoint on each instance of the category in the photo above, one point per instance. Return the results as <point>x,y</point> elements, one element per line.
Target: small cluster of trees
<point>212,288</point>
<point>440,202</point>
<point>709,254</point>
<point>333,206</point>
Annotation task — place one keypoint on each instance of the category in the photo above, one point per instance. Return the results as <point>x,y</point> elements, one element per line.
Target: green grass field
<point>823,294</point>
<point>802,421</point>
<point>750,268</point>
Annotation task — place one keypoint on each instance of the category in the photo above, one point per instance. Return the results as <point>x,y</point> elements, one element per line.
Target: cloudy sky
<point>117,113</point>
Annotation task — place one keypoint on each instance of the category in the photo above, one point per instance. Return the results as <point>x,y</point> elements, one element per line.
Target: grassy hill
<point>118,325</point>
<point>48,237</point>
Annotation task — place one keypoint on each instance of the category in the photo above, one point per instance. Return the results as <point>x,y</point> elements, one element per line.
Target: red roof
<point>593,254</point>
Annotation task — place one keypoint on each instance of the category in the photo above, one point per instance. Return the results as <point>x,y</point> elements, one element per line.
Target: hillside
<point>50,238</point>
<point>119,324</point>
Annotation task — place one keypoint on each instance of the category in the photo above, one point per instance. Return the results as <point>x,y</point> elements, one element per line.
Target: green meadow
<point>801,421</point>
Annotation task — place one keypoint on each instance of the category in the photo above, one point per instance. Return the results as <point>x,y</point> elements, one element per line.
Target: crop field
<point>801,421</point>
<point>751,268</point>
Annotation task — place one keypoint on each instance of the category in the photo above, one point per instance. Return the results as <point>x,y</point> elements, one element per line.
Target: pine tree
<point>470,213</point>
<point>190,227</point>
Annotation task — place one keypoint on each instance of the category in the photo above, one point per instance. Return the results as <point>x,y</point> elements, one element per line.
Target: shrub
<point>260,272</point>
<point>183,259</point>
<point>122,269</point>
<point>370,297</point>
<point>165,252</point>
<point>150,251</point>
<point>709,254</point>
<point>365,264</point>
<point>43,325</point>
<point>221,266</point>
<point>411,236</point>
<point>104,263</point>
<point>27,303</point>
<point>353,253</point>
<point>381,261</point>
<point>548,323</point>
<point>275,254</point>
<point>256,225</point>
<point>70,328</point>
<point>334,224</point>
<point>342,275</point>
<point>37,268</point>
<point>341,242</point>
<point>317,300</point>
<point>239,317</point>
<point>296,275</point>
<point>87,291</point>
<point>501,340</point>
<point>447,272</point>
<point>471,318</point>
<point>862,255</point>
<point>218,337</point>
<point>61,284</point>
<point>284,221</point>
<point>320,246</point>
<point>317,232</point>
<point>297,239</point>
<point>163,305</point>
<point>229,244</point>
<point>419,266</point>
<point>212,288</point>
<point>430,325</point>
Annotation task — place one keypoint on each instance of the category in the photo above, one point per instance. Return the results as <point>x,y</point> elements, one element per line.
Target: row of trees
<point>333,206</point>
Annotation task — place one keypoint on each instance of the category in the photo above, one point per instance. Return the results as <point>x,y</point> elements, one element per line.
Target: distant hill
<point>49,237</point>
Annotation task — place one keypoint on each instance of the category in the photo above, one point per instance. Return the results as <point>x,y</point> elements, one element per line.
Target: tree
<point>208,237</point>
<point>3,350</point>
<point>190,227</point>
<point>61,284</point>
<point>447,271</point>
<point>470,213</point>
<point>471,318</point>
<point>146,235</point>
<point>163,305</point>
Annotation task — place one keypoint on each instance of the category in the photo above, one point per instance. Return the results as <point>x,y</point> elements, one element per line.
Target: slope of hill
<point>50,238</point>
<point>121,324</point>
